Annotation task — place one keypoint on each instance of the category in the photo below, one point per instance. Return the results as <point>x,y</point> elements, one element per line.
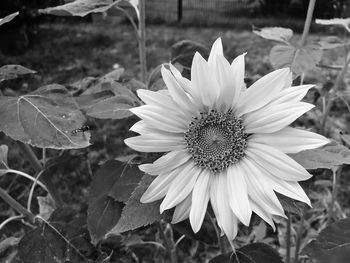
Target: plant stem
<point>168,243</point>
<point>17,206</point>
<point>221,240</point>
<point>142,40</point>
<point>298,236</point>
<point>330,101</point>
<point>310,11</point>
<point>336,174</point>
<point>31,157</point>
<point>288,237</point>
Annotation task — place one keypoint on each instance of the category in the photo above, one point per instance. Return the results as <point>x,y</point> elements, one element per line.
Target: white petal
<point>290,140</point>
<point>176,91</point>
<point>276,162</point>
<point>181,186</point>
<point>292,94</point>
<point>259,190</point>
<point>166,163</point>
<point>160,99</point>
<point>203,82</point>
<point>155,143</point>
<point>182,210</point>
<point>238,194</point>
<point>159,187</point>
<point>200,198</point>
<point>274,117</point>
<point>215,51</point>
<point>141,127</point>
<point>218,198</point>
<point>161,118</point>
<point>238,72</point>
<point>289,189</point>
<point>263,214</point>
<point>262,91</point>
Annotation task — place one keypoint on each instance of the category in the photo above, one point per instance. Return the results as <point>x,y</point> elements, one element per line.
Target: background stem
<point>310,11</point>
<point>46,180</point>
<point>330,101</point>
<point>17,206</point>
<point>336,174</point>
<point>288,237</point>
<point>142,40</point>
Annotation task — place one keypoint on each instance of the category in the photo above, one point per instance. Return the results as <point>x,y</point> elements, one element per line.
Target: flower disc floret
<point>216,140</point>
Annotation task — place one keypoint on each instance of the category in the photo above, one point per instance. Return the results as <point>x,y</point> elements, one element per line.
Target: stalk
<point>330,102</point>
<point>142,40</point>
<point>16,206</point>
<point>288,237</point>
<point>310,11</point>
<point>31,157</point>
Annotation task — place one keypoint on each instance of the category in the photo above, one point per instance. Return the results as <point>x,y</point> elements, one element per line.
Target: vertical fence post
<point>179,10</point>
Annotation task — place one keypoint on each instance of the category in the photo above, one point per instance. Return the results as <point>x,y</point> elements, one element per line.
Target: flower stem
<point>336,174</point>
<point>310,11</point>
<point>31,157</point>
<point>142,40</point>
<point>288,238</point>
<point>16,206</point>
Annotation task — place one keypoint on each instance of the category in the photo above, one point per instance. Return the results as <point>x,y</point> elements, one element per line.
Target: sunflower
<point>223,142</point>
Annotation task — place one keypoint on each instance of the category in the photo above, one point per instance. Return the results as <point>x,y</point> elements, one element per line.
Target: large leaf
<point>328,156</point>
<point>136,214</point>
<point>44,118</point>
<point>104,212</point>
<point>8,18</point>
<point>298,59</point>
<point>13,71</point>
<point>252,253</point>
<point>128,180</point>
<point>332,244</point>
<point>116,107</point>
<point>80,8</point>
<point>63,239</point>
<point>274,33</point>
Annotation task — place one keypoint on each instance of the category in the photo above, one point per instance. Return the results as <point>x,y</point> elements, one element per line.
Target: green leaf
<point>104,212</point>
<point>332,244</point>
<point>252,253</point>
<point>64,238</point>
<point>8,18</point>
<point>111,108</point>
<point>274,33</point>
<point>298,59</point>
<point>13,71</point>
<point>329,156</point>
<point>331,42</point>
<point>44,118</point>
<point>155,81</point>
<point>136,214</point>
<point>289,205</point>
<point>183,51</point>
<point>345,22</point>
<point>80,8</point>
<point>87,101</point>
<point>129,179</point>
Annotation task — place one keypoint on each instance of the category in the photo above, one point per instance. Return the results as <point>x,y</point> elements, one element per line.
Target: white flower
<point>223,143</point>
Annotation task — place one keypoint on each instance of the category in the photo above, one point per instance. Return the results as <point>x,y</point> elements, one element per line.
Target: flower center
<point>216,140</point>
